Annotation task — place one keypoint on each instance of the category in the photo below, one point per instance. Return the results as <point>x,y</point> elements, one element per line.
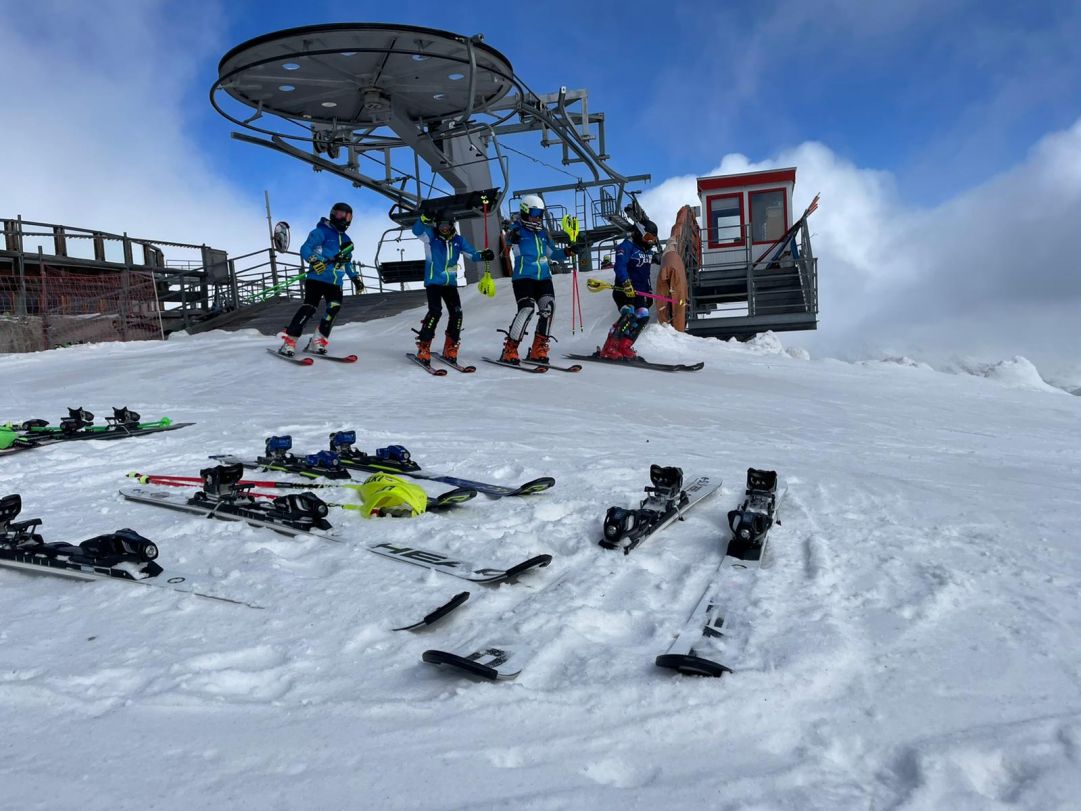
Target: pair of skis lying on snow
<point>496,658</point>
<point>79,425</point>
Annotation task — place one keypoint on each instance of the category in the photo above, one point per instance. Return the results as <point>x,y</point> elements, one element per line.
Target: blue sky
<point>944,135</point>
<point>941,93</point>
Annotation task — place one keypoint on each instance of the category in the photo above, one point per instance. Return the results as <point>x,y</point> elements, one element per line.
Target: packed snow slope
<point>912,643</point>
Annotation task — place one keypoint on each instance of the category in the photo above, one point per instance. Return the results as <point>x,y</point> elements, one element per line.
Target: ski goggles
<point>339,217</point>
<point>534,214</point>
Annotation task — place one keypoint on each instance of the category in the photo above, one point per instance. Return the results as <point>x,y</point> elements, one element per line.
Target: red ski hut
<point>757,272</point>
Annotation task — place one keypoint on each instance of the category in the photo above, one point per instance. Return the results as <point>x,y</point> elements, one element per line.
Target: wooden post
<point>43,302</point>
<point>125,289</point>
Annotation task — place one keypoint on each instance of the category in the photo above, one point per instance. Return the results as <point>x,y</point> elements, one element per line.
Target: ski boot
<point>288,347</point>
<point>317,345</point>
<point>626,349</point>
<point>539,351</point>
<point>424,351</point>
<point>610,350</point>
<point>450,349</point>
<point>510,352</point>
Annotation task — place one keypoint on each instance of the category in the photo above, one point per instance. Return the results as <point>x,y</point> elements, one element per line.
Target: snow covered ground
<point>912,643</point>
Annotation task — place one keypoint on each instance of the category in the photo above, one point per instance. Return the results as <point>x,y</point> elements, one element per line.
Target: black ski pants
<point>314,292</point>
<point>438,293</point>
<point>533,295</point>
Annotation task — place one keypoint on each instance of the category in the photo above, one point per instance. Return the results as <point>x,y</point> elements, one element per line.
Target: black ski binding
<point>77,419</point>
<point>221,483</point>
<point>752,520</point>
<point>631,525</point>
<point>124,417</point>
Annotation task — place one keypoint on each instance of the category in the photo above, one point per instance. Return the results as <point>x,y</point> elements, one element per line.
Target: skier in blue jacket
<point>632,268</point>
<point>327,252</point>
<point>531,279</point>
<point>442,249</point>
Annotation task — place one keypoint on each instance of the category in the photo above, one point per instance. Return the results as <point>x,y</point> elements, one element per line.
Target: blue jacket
<point>633,263</point>
<point>441,255</point>
<point>532,250</point>
<point>325,242</point>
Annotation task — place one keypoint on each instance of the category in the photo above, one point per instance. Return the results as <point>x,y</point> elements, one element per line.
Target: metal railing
<point>778,288</point>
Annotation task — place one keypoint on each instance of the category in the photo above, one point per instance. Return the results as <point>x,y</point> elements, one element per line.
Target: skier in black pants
<point>531,280</point>
<point>442,247</point>
<point>327,250</point>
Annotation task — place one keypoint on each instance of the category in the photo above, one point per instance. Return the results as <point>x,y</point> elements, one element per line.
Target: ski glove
<point>318,266</point>
<point>486,285</point>
<point>513,237</point>
<point>487,255</point>
<point>628,289</point>
<point>358,285</point>
<point>570,250</point>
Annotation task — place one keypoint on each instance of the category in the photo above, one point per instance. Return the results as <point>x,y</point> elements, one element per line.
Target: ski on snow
<point>432,370</point>
<point>396,459</point>
<point>666,502</point>
<point>502,654</point>
<point>335,358</point>
<point>122,556</point>
<point>455,566</point>
<point>750,524</point>
<point>453,364</point>
<point>639,363</point>
<point>291,358</point>
<point>519,366</point>
<point>432,617</point>
<point>577,367</point>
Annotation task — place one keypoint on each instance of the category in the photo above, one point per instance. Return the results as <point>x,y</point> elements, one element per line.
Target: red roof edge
<point>748,179</point>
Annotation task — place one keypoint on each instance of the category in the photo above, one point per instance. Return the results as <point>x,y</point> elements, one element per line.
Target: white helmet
<point>532,212</point>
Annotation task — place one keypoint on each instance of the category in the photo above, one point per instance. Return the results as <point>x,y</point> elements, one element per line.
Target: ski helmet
<point>645,234</point>
<point>532,212</point>
<point>341,215</point>
<point>383,494</point>
<point>444,225</point>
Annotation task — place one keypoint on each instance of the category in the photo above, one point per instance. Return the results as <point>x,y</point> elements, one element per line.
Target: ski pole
<point>184,481</point>
<point>597,285</point>
<point>570,228</point>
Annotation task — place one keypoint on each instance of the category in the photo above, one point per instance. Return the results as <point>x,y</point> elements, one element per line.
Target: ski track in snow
<point>910,642</point>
